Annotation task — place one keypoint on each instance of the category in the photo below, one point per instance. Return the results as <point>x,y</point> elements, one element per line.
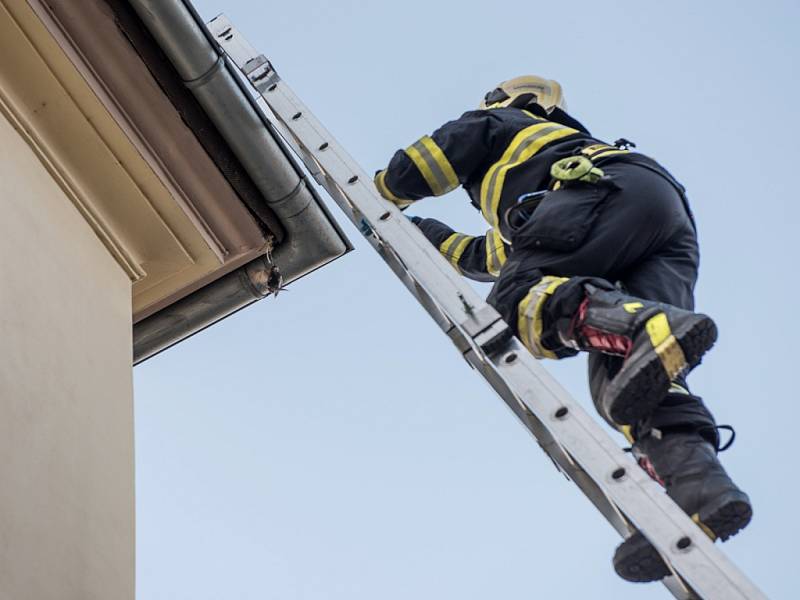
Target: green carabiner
<point>576,168</point>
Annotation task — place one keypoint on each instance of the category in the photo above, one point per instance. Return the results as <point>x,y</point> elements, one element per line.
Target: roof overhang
<point>147,158</point>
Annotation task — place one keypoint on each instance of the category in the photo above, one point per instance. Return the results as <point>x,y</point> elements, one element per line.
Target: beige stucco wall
<point>66,406</point>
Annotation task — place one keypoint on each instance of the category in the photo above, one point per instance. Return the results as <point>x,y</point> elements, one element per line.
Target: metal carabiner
<point>522,210</point>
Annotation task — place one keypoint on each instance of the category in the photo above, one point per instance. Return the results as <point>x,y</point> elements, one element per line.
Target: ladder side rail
<point>701,564</point>
<point>345,179</point>
<point>563,462</point>
<point>572,470</point>
<point>558,454</point>
<point>258,76</point>
<point>234,45</point>
<point>400,270</point>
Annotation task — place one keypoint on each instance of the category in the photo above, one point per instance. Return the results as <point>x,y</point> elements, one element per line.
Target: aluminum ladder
<point>623,493</point>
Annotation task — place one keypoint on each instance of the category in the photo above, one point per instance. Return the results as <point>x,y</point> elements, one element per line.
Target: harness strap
<point>583,165</point>
<point>596,152</point>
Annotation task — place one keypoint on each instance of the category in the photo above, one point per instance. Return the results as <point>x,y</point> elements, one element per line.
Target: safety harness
<point>580,167</point>
<point>584,165</point>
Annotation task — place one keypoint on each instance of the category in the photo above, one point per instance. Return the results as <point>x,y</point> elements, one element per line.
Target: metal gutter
<point>311,237</point>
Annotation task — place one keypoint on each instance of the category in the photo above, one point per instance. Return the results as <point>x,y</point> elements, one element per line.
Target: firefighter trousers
<point>634,231</point>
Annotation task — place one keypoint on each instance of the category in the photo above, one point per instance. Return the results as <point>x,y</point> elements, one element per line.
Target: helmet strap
<point>523,100</point>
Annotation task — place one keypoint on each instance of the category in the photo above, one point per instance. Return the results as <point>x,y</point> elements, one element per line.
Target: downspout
<point>311,239</point>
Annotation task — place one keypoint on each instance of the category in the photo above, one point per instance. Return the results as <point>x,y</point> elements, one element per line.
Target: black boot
<point>658,342</point>
<point>686,465</point>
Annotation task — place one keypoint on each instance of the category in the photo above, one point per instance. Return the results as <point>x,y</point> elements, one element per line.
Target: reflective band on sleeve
<point>524,145</point>
<point>433,164</point>
<point>495,252</point>
<point>383,190</point>
<point>453,248</point>
<point>529,313</point>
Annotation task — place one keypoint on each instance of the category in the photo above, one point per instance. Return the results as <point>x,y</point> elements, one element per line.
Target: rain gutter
<point>311,238</point>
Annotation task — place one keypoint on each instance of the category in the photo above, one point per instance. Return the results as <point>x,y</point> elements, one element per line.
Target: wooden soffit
<point>133,169</point>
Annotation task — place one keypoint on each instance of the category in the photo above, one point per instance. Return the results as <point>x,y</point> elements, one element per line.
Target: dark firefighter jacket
<point>496,155</point>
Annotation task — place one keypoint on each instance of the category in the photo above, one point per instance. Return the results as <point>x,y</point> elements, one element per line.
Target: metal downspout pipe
<point>311,239</point>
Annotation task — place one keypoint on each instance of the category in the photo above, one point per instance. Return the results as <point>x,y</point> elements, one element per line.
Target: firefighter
<point>591,247</point>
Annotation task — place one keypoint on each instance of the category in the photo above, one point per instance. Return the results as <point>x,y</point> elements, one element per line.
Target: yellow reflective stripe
<point>626,431</point>
<point>523,324</point>
<point>600,155</point>
<point>674,388</point>
<point>533,116</point>
<point>459,249</point>
<point>453,247</point>
<point>383,190</point>
<point>666,346</point>
<point>495,252</point>
<point>633,307</point>
<point>492,263</point>
<point>424,167</point>
<point>589,150</point>
<point>524,145</point>
<point>705,528</point>
<point>501,249</point>
<point>597,151</point>
<point>444,247</point>
<point>658,329</point>
<point>441,160</point>
<point>529,321</point>
<point>433,164</point>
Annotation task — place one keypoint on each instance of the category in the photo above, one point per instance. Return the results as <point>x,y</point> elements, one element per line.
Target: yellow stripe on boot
<point>666,346</point>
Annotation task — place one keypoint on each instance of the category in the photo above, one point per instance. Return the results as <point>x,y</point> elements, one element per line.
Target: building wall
<point>66,406</point>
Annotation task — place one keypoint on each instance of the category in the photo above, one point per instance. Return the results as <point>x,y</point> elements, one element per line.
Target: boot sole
<point>649,382</point>
<point>638,561</point>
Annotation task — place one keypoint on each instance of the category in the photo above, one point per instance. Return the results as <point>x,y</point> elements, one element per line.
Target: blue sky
<point>331,444</point>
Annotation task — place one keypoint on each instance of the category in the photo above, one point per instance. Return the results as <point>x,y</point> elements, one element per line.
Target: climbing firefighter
<point>592,247</point>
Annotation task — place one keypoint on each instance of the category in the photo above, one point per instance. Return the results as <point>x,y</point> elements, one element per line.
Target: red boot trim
<point>610,343</point>
<point>595,339</point>
<point>648,467</point>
